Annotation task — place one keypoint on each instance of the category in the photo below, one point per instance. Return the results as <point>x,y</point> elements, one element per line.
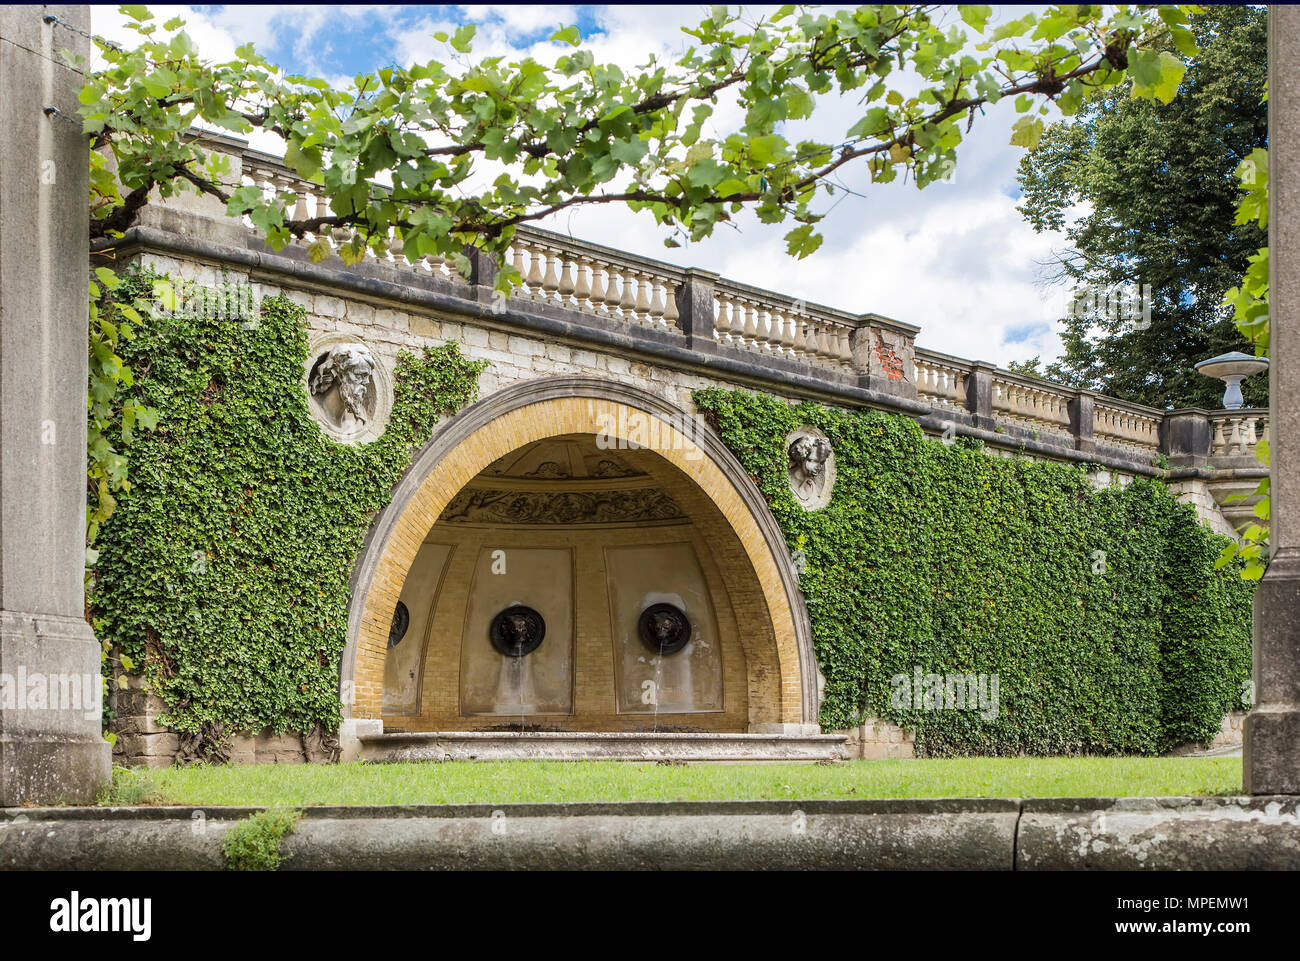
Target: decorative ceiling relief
<point>568,457</point>
<point>482,506</point>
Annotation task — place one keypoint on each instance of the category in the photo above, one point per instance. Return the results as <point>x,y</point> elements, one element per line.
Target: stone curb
<point>1175,833</point>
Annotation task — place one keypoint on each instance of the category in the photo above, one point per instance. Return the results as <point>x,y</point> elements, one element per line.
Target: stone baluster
<point>551,281</point>
<point>609,290</point>
<point>567,287</point>
<point>658,308</point>
<point>750,330</point>
<point>534,278</point>
<point>671,312</point>
<point>518,262</point>
<point>582,290</point>
<point>642,305</point>
<point>729,326</point>
<point>627,302</point>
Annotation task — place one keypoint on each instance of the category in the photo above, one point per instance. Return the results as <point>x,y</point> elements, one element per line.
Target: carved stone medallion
<point>401,621</point>
<point>517,631</point>
<point>664,628</point>
<point>348,389</point>
<point>811,468</point>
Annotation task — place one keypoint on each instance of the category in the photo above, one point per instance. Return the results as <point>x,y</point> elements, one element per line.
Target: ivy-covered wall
<point>940,557</point>
<point>223,572</point>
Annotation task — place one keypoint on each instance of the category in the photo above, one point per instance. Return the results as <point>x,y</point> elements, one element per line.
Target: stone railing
<point>1127,425</point>
<point>760,322</point>
<point>579,290</point>
<point>942,381</point>
<point>594,280</point>
<point>1236,433</point>
<point>1031,403</point>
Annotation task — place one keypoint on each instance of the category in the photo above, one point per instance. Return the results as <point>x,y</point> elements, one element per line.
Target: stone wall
<point>876,739</point>
<point>141,741</point>
<point>388,328</point>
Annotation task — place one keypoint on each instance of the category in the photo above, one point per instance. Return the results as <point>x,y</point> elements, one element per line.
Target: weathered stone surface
<point>1160,834</point>
<point>47,754</point>
<point>492,746</point>
<point>151,745</point>
<point>1271,751</point>
<point>959,834</point>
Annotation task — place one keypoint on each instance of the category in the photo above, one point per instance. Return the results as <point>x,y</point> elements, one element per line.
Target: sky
<point>957,259</point>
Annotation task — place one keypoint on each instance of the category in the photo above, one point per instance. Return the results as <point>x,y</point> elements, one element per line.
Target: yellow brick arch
<point>535,410</point>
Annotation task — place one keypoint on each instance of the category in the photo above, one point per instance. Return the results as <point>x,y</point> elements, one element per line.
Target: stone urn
<point>1232,368</point>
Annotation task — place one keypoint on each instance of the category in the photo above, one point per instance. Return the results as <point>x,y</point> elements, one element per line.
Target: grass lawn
<point>505,782</point>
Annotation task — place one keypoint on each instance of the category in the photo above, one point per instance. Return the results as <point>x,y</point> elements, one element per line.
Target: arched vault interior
<point>589,541</point>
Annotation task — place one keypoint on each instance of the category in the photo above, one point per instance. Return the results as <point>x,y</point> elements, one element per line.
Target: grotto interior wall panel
<point>662,584</point>
<point>410,627</point>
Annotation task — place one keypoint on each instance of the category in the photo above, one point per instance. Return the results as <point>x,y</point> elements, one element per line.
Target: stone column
<point>1272,732</point>
<point>51,748</point>
<point>1081,422</point>
<point>979,395</point>
<point>695,307</point>
<point>1185,437</point>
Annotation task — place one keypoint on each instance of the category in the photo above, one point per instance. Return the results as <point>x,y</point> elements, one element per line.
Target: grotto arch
<point>783,682</point>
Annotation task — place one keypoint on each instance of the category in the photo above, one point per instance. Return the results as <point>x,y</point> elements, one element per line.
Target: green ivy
<point>941,557</point>
<point>224,570</point>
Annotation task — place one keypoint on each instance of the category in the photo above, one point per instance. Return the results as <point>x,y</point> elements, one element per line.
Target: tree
<point>395,152</point>
<point>1159,183</point>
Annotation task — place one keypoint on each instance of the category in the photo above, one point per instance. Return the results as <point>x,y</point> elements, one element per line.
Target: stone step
<point>599,746</point>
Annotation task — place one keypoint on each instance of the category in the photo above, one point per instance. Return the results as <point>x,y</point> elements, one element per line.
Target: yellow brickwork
<point>742,560</point>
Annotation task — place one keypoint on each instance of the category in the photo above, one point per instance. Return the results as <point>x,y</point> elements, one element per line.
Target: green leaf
<point>569,35</point>
<point>802,241</point>
<point>464,35</point>
<point>975,15</point>
<point>766,150</point>
<point>1026,132</point>
<point>319,250</point>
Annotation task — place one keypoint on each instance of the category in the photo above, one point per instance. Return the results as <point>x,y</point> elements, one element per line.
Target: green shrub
<point>253,844</point>
<point>1099,610</point>
<point>224,570</point>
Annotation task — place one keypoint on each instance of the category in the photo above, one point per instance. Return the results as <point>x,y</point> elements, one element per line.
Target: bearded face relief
<point>811,467</point>
<point>341,381</point>
<point>347,390</point>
